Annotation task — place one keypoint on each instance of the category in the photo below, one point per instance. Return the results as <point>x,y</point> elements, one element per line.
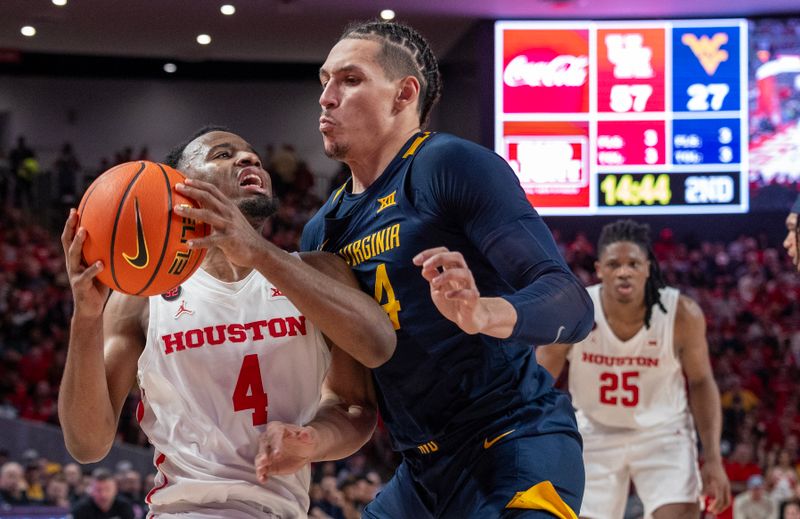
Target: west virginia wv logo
<point>707,50</point>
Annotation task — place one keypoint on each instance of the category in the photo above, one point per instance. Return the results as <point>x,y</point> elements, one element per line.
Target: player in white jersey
<point>233,365</point>
<point>628,387</point>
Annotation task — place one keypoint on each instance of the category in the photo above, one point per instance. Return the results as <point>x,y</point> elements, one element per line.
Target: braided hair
<point>404,52</point>
<point>628,230</point>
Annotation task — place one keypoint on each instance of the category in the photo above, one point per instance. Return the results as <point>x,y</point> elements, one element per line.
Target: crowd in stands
<point>748,290</point>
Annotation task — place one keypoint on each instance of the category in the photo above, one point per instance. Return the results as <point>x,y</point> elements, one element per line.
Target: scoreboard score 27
<point>624,117</point>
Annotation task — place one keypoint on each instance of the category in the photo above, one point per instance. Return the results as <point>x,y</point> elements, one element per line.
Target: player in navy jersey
<point>439,231</point>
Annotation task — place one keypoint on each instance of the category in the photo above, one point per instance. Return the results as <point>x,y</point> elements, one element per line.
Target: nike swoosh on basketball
<point>141,258</point>
<point>487,443</point>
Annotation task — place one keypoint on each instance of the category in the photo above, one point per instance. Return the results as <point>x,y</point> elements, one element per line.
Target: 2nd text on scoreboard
<point>626,117</point>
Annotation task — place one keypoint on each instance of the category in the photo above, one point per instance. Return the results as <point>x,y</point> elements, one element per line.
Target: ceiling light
<point>203,39</point>
<point>28,30</point>
<point>387,14</point>
<point>60,3</point>
<point>170,68</point>
<point>227,9</point>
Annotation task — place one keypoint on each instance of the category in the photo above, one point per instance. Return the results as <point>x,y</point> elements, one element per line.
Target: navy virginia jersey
<point>444,191</point>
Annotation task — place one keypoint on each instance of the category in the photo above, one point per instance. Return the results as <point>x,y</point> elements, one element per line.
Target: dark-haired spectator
<point>129,482</point>
<point>103,501</point>
<point>66,169</point>
<point>740,467</point>
<point>73,475</point>
<point>57,492</point>
<point>782,477</point>
<point>790,509</point>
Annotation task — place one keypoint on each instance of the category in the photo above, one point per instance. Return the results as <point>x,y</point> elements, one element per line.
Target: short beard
<point>337,151</point>
<point>258,208</point>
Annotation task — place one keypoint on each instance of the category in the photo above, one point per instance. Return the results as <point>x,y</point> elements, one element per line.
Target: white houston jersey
<point>633,384</point>
<point>220,360</point>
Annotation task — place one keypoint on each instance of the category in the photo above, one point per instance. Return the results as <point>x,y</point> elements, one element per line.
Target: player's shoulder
<point>687,313</point>
<point>447,159</point>
<point>448,146</point>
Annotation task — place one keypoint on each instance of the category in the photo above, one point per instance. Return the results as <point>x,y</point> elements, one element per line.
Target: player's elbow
<point>577,310</point>
<point>85,451</point>
<point>382,352</point>
<point>85,443</point>
<point>383,340</point>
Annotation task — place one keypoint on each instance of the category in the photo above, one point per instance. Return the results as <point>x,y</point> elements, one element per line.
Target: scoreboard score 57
<point>624,117</point>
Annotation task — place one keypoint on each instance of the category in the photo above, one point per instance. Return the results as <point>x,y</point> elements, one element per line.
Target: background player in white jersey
<point>628,387</point>
<point>230,370</point>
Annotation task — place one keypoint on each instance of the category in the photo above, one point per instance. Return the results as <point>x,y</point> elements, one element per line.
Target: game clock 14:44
<point>669,189</point>
<point>628,189</point>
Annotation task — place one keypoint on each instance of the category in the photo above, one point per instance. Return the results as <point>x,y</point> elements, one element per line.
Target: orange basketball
<point>132,229</point>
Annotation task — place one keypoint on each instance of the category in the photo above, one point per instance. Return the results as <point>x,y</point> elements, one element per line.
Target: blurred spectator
<point>19,154</point>
<point>790,509</point>
<point>129,483</point>
<point>103,501</point>
<point>12,485</point>
<point>782,477</point>
<point>24,167</point>
<point>66,169</point>
<point>73,475</point>
<point>754,503</point>
<point>57,492</point>
<point>740,466</point>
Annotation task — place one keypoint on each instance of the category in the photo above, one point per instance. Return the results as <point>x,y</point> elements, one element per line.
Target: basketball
<point>131,227</point>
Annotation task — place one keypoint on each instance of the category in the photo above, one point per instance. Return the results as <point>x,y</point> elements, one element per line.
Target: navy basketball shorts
<point>511,471</point>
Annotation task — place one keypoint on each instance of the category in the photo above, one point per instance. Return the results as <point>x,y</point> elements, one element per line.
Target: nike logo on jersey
<point>141,258</point>
<point>276,292</point>
<point>387,201</point>
<point>488,443</point>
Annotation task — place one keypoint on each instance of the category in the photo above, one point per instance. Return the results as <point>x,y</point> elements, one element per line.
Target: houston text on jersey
<point>235,333</point>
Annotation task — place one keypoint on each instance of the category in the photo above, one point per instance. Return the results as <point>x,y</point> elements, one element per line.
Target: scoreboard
<point>625,117</point>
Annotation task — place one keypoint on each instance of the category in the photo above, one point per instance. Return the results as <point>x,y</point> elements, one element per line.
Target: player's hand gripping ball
<point>131,227</point>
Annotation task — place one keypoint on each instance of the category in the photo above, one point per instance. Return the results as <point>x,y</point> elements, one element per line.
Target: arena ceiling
<point>299,31</point>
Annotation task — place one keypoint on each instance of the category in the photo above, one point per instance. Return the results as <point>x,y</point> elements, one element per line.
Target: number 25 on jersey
<point>619,388</point>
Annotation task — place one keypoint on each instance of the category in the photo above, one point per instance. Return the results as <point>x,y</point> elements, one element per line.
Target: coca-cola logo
<point>563,70</point>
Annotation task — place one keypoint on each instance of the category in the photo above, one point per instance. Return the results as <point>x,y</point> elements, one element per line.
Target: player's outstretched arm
<point>692,349</point>
<point>104,345</point>
<point>477,191</point>
<point>320,289</point>
<point>344,422</point>
<point>552,357</point>
<point>550,305</point>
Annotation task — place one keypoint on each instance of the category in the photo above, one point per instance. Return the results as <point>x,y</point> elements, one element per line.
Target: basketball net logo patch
<point>387,201</point>
<point>183,310</point>
<point>707,50</point>
<point>142,257</point>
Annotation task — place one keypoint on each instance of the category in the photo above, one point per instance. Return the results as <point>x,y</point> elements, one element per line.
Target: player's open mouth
<point>625,289</point>
<point>250,180</point>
